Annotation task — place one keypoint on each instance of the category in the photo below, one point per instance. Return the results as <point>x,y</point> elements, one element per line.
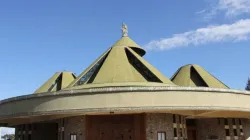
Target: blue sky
<point>39,38</point>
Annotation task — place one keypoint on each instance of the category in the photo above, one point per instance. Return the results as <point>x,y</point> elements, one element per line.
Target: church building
<point>121,96</point>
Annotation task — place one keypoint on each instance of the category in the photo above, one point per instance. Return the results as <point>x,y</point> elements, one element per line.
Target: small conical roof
<point>57,82</point>
<point>121,63</point>
<point>195,76</point>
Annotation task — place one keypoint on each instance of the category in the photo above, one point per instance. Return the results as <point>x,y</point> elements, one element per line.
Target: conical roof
<point>57,82</point>
<point>195,76</point>
<point>126,41</point>
<point>122,63</point>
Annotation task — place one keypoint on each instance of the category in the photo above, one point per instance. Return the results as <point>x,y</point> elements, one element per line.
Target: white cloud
<point>229,8</point>
<point>234,7</point>
<point>240,30</point>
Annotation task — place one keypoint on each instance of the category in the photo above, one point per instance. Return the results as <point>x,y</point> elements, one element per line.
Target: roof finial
<point>124,30</point>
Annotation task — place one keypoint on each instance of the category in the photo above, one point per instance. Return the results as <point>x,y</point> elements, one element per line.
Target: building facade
<point>121,96</point>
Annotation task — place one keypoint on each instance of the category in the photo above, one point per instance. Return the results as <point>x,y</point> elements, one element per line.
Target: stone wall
<point>155,122</point>
<point>219,126</point>
<point>159,122</point>
<point>71,126</point>
<point>210,127</point>
<point>37,131</point>
<point>75,126</point>
<point>246,127</point>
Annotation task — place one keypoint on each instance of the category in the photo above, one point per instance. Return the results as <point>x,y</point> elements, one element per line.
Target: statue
<point>124,30</point>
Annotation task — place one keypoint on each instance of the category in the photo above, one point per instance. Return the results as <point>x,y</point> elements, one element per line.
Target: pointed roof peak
<point>125,40</point>
<point>120,64</point>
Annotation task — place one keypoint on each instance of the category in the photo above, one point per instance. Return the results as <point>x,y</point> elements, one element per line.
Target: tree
<point>248,84</point>
<point>8,137</point>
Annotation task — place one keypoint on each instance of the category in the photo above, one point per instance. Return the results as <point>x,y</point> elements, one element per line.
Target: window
<point>227,132</point>
<point>235,132</point>
<point>174,120</point>
<point>72,136</point>
<point>161,136</point>
<point>226,121</point>
<point>29,137</point>
<point>240,121</point>
<point>175,132</point>
<point>234,122</point>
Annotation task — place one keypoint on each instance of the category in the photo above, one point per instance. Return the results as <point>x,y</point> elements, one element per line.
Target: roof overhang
<point>194,102</point>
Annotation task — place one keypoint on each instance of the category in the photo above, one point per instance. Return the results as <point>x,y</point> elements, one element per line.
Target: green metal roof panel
<point>194,75</point>
<point>116,68</point>
<point>182,77</point>
<point>122,63</point>
<point>53,84</point>
<point>209,79</point>
<point>157,73</point>
<point>89,68</point>
<point>126,41</point>
<point>48,83</point>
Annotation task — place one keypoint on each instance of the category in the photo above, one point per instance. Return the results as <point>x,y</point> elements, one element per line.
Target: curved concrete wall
<point>128,101</point>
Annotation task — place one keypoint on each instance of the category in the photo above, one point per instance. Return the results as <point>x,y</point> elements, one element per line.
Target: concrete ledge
<point>127,99</point>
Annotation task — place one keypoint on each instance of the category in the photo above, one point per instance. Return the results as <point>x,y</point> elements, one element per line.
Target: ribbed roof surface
<point>57,82</point>
<point>195,76</point>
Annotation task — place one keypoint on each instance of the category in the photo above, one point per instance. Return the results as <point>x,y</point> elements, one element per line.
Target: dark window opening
<point>141,68</point>
<point>62,135</point>
<point>180,132</point>
<point>235,132</point>
<point>91,74</point>
<point>175,132</point>
<point>63,122</point>
<point>174,119</point>
<point>240,121</point>
<point>180,119</point>
<point>29,127</point>
<point>234,122</point>
<point>226,121</point>
<point>57,84</point>
<point>227,132</point>
<point>190,122</point>
<point>29,137</point>
<point>196,78</point>
<point>23,127</point>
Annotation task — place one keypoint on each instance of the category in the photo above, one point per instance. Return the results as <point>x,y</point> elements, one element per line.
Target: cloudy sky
<point>39,38</point>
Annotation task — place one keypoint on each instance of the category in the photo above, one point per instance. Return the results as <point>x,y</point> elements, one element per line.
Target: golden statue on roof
<point>124,30</point>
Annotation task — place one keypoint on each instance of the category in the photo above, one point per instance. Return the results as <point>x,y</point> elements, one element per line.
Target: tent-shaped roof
<point>195,76</point>
<point>122,63</point>
<point>57,82</point>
